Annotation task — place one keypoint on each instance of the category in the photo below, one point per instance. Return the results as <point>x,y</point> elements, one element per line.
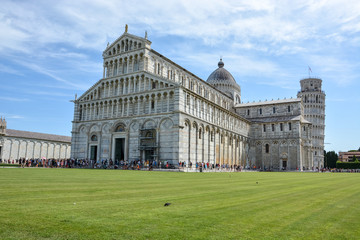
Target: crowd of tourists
<point>141,165</point>
<point>118,164</point>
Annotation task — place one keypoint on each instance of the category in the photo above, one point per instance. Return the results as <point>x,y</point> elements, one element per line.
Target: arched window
<point>120,128</point>
<point>267,148</point>
<point>94,138</point>
<point>149,134</point>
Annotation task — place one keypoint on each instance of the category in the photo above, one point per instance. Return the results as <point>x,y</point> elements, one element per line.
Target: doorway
<point>93,153</point>
<point>119,149</point>
<point>284,164</point>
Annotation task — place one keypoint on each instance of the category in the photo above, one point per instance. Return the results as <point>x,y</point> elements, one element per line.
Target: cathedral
<point>147,107</point>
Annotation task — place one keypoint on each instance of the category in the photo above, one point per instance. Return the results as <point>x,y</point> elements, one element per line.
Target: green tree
<point>330,159</point>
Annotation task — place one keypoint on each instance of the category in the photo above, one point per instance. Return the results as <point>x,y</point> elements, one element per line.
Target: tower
<point>313,99</point>
<point>2,126</point>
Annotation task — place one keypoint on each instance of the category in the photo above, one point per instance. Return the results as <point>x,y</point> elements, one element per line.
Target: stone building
<point>15,144</point>
<point>146,107</point>
<point>348,156</point>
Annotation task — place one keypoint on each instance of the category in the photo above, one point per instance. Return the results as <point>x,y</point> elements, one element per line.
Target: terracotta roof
<point>279,119</point>
<point>35,135</point>
<point>291,100</point>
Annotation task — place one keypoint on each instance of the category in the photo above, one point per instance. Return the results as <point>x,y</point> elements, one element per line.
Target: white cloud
<point>14,99</point>
<point>7,69</point>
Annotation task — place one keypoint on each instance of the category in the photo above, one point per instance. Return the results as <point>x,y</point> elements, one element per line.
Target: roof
<point>291,100</point>
<point>221,74</point>
<point>35,135</point>
<point>279,119</point>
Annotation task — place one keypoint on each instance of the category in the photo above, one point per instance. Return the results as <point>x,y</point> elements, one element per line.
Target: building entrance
<point>119,149</point>
<point>93,153</point>
<point>284,164</point>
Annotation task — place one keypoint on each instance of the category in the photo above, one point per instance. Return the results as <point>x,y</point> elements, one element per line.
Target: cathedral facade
<point>146,107</point>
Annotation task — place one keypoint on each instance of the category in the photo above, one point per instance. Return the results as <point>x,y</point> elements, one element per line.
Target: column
<point>155,104</point>
<point>149,105</point>
<point>127,109</point>
<point>138,108</point>
<point>103,111</point>
<point>168,103</point>
<point>25,149</point>
<point>122,108</point>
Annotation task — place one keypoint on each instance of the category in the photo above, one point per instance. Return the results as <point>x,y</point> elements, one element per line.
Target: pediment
<point>126,42</point>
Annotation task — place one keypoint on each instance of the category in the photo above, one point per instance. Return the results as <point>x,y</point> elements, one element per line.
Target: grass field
<point>113,204</point>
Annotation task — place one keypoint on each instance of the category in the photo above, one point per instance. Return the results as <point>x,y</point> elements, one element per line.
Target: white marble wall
<point>16,148</point>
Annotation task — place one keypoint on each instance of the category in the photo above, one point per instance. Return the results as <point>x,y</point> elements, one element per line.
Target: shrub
<point>348,165</point>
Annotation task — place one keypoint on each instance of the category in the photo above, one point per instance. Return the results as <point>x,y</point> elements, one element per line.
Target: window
<point>304,129</point>
<point>281,126</point>
<point>289,126</point>
<point>188,99</point>
<point>120,128</point>
<point>94,138</point>
<point>288,108</point>
<point>200,133</point>
<point>260,111</point>
<point>264,127</point>
<point>153,85</point>
<point>152,104</point>
<point>267,148</point>
<point>212,136</point>
<point>191,85</point>
<point>248,112</point>
<point>149,134</point>
<point>273,127</point>
<point>274,110</point>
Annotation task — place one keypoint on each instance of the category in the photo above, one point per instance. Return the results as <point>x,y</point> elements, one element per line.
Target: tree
<point>330,159</point>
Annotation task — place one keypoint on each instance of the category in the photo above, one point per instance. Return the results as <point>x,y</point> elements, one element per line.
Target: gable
<point>126,42</point>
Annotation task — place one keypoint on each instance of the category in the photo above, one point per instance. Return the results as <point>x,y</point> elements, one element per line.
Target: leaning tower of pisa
<point>314,111</point>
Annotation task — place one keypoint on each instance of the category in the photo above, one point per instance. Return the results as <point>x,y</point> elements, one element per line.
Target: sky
<point>52,50</point>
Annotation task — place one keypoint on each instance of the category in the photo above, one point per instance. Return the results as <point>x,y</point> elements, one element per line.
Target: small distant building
<point>348,156</point>
<point>15,144</point>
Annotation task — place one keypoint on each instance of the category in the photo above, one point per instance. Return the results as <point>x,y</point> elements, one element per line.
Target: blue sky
<point>51,50</point>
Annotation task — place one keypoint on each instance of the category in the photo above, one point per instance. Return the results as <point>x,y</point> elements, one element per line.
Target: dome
<point>223,80</point>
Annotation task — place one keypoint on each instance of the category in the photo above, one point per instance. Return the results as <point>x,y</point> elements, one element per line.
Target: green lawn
<point>113,204</point>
